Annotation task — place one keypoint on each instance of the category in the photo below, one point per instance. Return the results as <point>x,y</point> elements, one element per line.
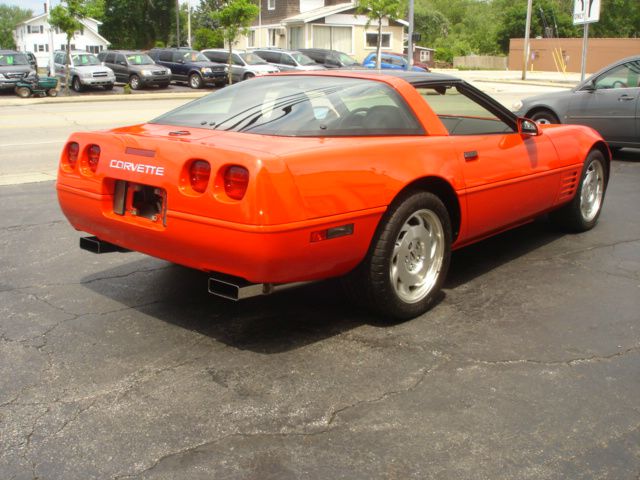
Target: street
<point>122,366</point>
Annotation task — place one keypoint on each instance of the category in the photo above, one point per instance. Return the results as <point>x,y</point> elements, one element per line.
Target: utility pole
<point>410,39</point>
<point>189,23</point>
<point>525,63</point>
<point>178,23</point>
<point>52,69</point>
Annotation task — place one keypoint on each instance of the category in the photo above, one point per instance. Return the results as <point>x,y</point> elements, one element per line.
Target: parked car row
<point>14,67</point>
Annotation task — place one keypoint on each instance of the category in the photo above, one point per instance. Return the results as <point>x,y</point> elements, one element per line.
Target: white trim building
<point>33,36</point>
<point>294,24</point>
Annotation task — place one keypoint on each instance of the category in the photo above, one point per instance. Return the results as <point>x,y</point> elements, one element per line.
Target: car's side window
<point>460,114</point>
<point>622,76</point>
<point>108,58</point>
<point>287,60</point>
<point>165,56</point>
<point>120,59</point>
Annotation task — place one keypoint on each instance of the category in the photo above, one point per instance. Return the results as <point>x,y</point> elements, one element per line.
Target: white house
<point>33,36</point>
<point>321,24</point>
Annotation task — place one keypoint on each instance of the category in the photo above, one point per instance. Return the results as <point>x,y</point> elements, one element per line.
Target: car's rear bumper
<point>262,254</point>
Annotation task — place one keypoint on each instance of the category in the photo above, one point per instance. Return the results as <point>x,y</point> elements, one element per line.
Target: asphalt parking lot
<point>121,366</point>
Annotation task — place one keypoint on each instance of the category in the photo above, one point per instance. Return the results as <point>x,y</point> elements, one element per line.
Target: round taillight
<point>72,154</point>
<point>93,157</point>
<point>199,174</point>
<point>236,181</point>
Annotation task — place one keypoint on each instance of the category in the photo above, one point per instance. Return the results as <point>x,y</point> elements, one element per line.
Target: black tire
<point>415,225</point>
<point>248,75</point>
<point>108,86</point>
<point>76,84</point>
<point>23,92</point>
<point>544,116</point>
<point>195,81</point>
<point>134,81</point>
<point>52,92</point>
<point>582,213</point>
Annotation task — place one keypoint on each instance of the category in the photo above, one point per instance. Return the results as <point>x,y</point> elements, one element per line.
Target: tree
<point>67,19</point>
<point>235,19</point>
<point>133,24</point>
<point>10,17</point>
<point>376,11</point>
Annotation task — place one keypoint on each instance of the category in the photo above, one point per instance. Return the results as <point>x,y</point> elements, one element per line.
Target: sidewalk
<point>551,79</point>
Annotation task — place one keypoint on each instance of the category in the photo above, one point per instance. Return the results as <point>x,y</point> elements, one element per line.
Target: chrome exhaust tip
<point>95,245</point>
<point>236,288</point>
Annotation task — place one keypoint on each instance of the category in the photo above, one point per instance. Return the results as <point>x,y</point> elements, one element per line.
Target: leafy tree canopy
<point>11,16</point>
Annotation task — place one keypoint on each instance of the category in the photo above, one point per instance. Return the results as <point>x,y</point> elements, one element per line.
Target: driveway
<point>121,366</point>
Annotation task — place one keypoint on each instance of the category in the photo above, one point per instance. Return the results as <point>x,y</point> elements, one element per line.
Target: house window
<point>333,38</point>
<point>271,4</point>
<point>251,38</point>
<point>35,28</point>
<point>273,37</point>
<point>424,56</point>
<point>94,48</point>
<point>296,39</point>
<point>372,40</point>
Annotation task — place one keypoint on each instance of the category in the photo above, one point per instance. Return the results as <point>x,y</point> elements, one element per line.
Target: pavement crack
<point>27,226</point>
<point>569,363</point>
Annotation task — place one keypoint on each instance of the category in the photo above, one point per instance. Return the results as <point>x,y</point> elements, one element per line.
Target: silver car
<point>288,60</point>
<point>244,65</point>
<point>85,70</point>
<point>608,101</point>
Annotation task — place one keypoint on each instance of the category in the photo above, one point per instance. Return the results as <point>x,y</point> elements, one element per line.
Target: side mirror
<point>528,127</point>
<point>589,86</point>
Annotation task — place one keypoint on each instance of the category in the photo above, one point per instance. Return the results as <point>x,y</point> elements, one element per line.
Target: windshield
<point>85,59</point>
<point>300,106</point>
<point>252,59</point>
<point>7,59</point>
<point>194,57</point>
<point>139,59</point>
<point>346,60</point>
<point>302,59</point>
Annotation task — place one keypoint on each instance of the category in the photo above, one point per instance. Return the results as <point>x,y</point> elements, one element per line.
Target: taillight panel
<point>195,177</point>
<point>236,181</point>
<point>71,154</point>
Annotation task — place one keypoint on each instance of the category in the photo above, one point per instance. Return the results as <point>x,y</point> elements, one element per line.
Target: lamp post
<point>52,71</point>
<point>525,63</point>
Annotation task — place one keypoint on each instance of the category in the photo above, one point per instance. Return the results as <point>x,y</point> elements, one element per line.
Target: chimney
<point>45,7</point>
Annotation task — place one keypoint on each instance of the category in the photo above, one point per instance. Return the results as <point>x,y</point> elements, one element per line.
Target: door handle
<point>471,155</point>
<point>625,98</point>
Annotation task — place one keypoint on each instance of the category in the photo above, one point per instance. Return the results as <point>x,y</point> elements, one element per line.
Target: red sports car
<point>300,177</point>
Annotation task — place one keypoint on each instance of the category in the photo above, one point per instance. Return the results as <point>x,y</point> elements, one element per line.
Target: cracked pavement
<point>121,366</point>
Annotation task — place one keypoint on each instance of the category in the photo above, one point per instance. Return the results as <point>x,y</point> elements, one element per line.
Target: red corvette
<point>300,177</point>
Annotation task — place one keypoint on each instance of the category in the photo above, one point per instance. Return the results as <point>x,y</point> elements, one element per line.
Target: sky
<point>36,6</point>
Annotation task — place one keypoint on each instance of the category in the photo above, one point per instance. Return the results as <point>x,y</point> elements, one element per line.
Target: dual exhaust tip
<point>221,285</point>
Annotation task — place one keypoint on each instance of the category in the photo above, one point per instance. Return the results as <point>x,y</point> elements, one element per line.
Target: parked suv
<point>243,64</point>
<point>190,66</point>
<point>330,58</point>
<point>135,68</point>
<point>14,66</point>
<point>287,60</point>
<point>391,61</point>
<point>85,70</point>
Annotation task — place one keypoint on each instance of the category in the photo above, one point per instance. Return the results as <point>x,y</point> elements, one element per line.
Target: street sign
<point>586,11</point>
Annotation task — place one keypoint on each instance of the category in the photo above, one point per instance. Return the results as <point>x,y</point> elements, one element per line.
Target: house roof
<point>318,13</point>
<point>43,15</point>
<point>322,12</point>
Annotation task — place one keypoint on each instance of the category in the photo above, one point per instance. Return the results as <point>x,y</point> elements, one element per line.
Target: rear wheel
<point>408,259</point>
<point>134,81</point>
<point>23,92</point>
<point>195,80</point>
<point>544,117</point>
<point>582,213</point>
<point>248,75</point>
<point>76,84</point>
<point>52,92</point>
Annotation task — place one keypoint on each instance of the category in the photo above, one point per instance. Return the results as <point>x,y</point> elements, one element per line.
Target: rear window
<point>302,106</point>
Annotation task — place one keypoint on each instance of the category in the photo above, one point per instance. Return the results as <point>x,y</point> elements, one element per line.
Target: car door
<point>509,177</point>
<point>119,67</point>
<point>58,62</point>
<point>610,104</point>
